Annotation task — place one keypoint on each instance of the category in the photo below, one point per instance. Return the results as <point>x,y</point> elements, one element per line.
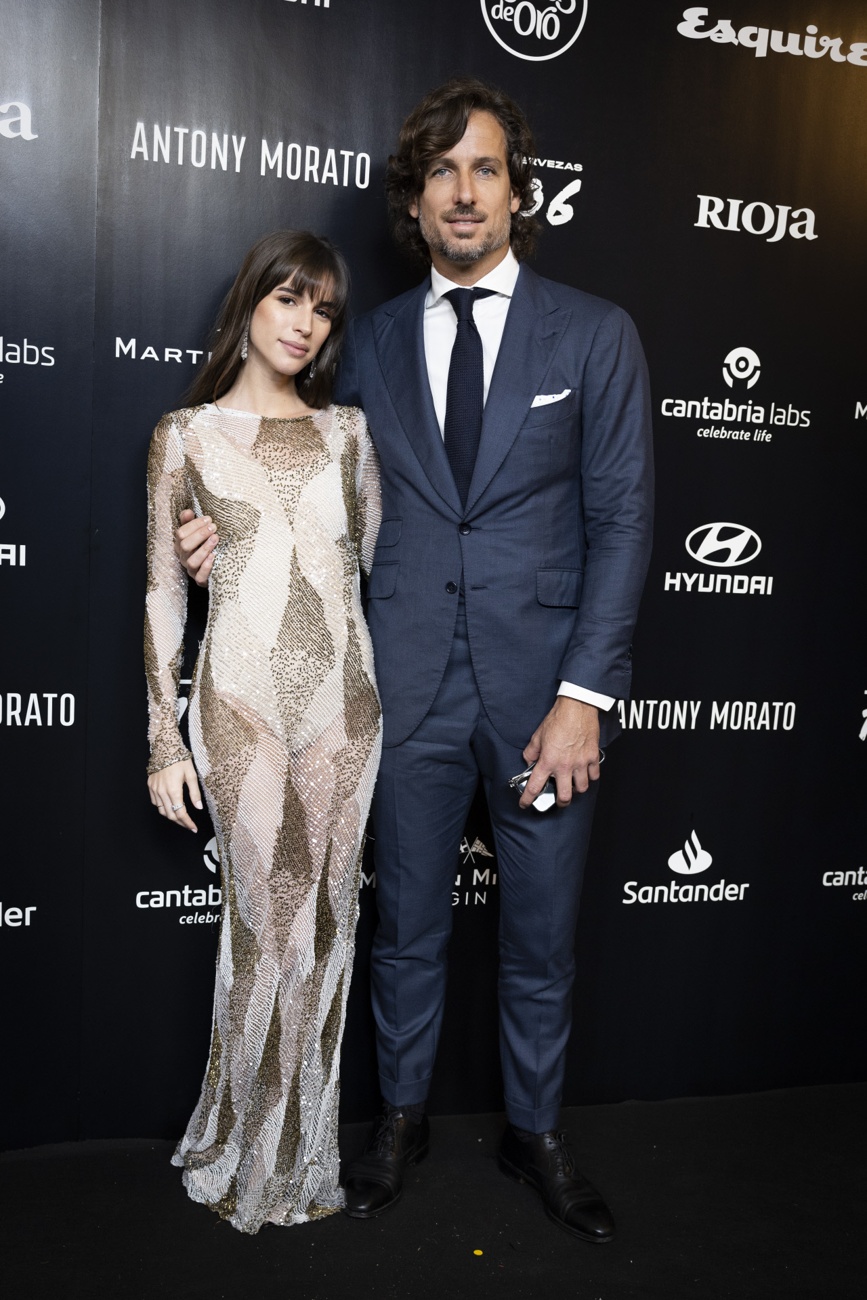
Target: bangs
<point>322,278</point>
<point>302,261</point>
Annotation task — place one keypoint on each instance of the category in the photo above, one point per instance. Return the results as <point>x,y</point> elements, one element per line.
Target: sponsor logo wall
<point>728,844</point>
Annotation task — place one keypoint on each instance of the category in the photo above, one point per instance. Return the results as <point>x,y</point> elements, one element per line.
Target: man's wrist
<point>585,696</point>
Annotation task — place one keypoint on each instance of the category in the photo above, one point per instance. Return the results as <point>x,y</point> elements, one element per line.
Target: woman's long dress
<point>285,729</point>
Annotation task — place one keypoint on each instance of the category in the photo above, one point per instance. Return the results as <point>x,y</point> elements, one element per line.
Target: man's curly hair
<point>433,127</point>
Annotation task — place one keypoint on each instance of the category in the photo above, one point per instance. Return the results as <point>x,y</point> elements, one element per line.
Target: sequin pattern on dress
<point>285,731</point>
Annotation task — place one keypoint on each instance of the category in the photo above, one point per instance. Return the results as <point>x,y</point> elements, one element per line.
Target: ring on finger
<point>176,806</point>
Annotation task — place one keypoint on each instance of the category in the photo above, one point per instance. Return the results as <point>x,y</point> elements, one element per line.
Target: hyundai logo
<point>723,545</point>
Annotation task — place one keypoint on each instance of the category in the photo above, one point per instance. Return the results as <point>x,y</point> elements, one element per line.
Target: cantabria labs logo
<point>535,31</point>
<point>691,860</point>
<point>196,906</point>
<point>730,419</point>
<point>742,364</point>
<point>847,880</point>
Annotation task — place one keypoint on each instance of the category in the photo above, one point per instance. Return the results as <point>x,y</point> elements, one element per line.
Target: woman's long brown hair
<point>306,263</point>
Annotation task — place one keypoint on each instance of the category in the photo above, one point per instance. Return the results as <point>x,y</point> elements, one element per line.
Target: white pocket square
<point>545,399</point>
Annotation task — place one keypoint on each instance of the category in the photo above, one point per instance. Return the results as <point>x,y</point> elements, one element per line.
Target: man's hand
<point>195,542</point>
<point>565,746</point>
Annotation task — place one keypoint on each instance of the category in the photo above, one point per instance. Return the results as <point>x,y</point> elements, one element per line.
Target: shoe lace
<point>383,1140</point>
<point>560,1152</point>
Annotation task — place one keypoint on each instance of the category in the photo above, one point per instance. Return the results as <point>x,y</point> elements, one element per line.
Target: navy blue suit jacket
<point>553,544</point>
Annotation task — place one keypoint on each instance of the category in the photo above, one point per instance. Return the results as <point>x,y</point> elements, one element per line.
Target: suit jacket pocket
<point>389,532</point>
<point>382,581</point>
<point>553,412</point>
<point>559,586</point>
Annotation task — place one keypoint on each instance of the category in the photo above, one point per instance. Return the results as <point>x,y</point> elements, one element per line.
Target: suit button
<point>465,529</point>
<point>451,588</point>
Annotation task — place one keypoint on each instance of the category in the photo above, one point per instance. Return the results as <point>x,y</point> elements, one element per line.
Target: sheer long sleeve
<point>166,601</point>
<point>368,508</point>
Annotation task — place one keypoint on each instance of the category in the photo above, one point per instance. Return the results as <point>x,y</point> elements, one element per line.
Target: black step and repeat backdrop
<point>703,167</point>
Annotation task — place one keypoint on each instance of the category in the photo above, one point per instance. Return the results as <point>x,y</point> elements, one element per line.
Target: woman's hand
<point>166,790</point>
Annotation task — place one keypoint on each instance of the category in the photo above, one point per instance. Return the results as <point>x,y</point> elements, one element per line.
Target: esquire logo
<point>16,121</point>
<point>692,860</point>
<point>729,420</point>
<point>535,31</point>
<point>722,546</point>
<point>760,40</point>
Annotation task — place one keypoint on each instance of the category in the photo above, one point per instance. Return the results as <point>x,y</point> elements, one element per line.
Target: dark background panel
<point>672,998</point>
<point>48,90</point>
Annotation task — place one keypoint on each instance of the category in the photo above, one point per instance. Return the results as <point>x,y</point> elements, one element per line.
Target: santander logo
<point>691,859</point>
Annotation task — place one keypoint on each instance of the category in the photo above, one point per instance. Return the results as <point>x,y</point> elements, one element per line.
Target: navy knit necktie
<point>465,392</point>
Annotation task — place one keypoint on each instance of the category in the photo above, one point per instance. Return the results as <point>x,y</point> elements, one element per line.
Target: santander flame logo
<point>691,859</point>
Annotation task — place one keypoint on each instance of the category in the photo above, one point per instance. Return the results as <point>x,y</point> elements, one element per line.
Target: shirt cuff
<point>574,692</point>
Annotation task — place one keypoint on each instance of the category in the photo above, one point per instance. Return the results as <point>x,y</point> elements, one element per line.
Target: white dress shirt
<point>440,330</point>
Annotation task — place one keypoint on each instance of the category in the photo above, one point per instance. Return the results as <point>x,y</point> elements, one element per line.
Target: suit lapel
<point>399,339</point>
<point>534,328</point>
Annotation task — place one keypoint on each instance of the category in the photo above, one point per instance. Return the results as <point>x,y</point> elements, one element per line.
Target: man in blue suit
<point>511,415</point>
<point>517,482</point>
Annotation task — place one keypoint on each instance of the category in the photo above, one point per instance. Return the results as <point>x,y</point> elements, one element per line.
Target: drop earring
<point>312,368</point>
<point>244,342</point>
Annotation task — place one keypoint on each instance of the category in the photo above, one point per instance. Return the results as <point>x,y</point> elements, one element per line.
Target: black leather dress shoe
<point>543,1160</point>
<point>375,1180</point>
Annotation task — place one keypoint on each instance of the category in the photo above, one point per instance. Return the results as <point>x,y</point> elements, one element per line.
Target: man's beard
<point>460,250</point>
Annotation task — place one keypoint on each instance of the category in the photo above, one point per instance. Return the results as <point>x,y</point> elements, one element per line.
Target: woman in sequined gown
<point>284,720</point>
